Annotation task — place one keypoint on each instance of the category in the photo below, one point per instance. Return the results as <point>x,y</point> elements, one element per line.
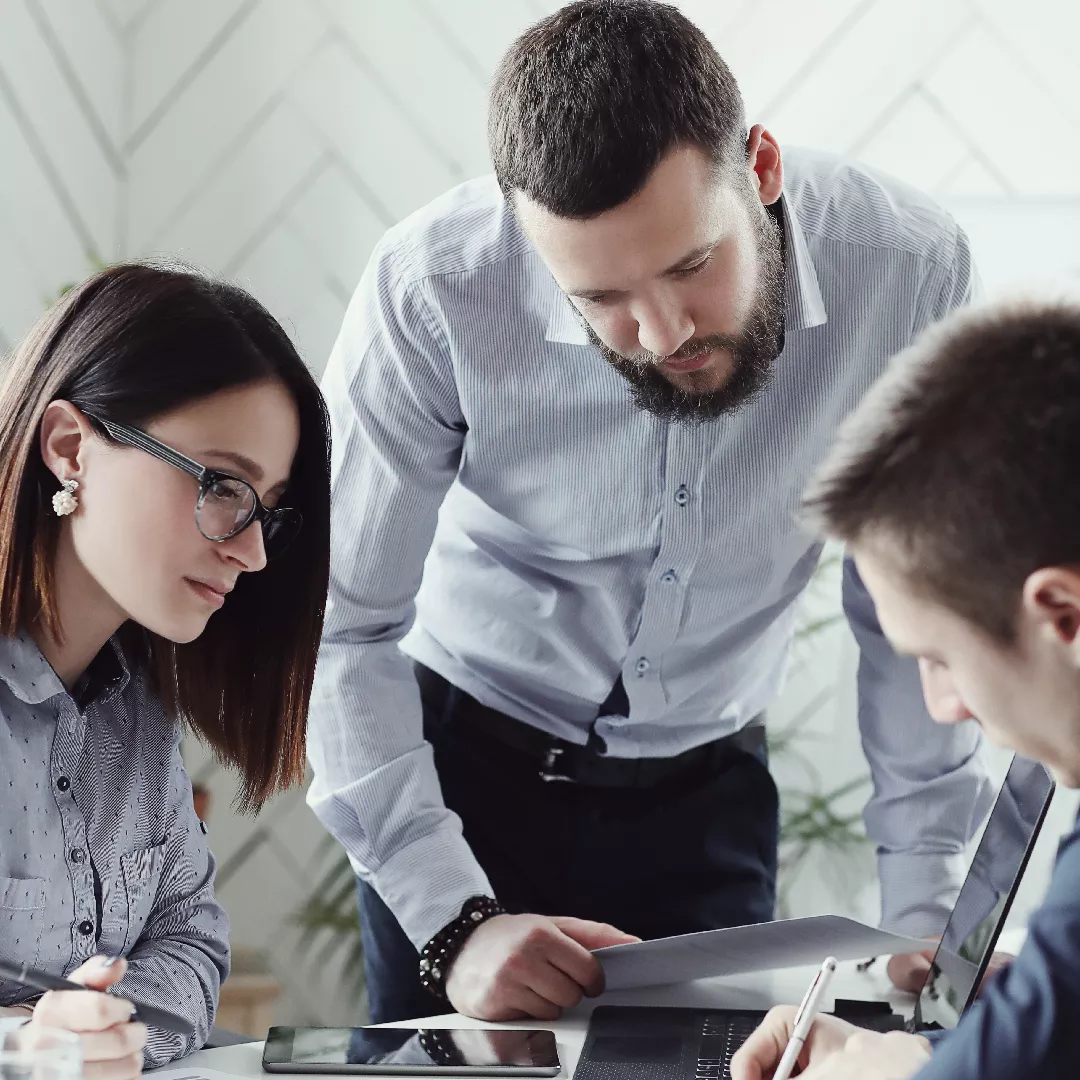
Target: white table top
<point>757,991</point>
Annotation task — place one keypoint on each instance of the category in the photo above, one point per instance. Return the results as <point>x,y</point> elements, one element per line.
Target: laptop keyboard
<point>722,1034</point>
<point>627,1042</point>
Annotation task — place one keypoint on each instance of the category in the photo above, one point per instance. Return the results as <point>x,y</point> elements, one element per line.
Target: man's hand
<point>908,971</point>
<point>758,1057</point>
<point>998,962</point>
<point>111,1045</point>
<point>515,966</point>
<point>873,1056</point>
<point>834,1050</point>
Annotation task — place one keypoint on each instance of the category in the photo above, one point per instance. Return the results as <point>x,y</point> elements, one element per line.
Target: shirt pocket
<point>22,918</point>
<point>141,874</point>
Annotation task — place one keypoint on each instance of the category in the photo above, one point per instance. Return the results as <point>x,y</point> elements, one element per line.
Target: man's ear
<point>63,435</point>
<point>766,167</point>
<point>1051,597</point>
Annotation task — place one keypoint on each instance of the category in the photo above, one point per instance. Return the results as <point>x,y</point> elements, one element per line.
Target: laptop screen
<point>987,894</point>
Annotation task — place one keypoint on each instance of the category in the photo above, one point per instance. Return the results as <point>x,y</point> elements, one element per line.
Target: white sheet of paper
<point>762,947</point>
<point>180,1072</point>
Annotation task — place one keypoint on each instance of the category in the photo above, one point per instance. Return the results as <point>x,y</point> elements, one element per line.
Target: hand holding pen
<point>112,1043</point>
<point>804,1019</point>
<point>825,1047</point>
<point>788,1035</point>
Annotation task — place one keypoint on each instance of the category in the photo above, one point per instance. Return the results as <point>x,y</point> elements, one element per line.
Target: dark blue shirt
<point>1026,1023</point>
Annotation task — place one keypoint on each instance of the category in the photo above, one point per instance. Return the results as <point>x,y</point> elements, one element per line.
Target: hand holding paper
<point>760,947</point>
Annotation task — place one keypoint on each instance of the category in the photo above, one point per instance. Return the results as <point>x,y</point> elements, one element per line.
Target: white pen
<point>804,1019</point>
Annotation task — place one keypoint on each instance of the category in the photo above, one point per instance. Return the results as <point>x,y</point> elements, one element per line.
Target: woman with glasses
<point>164,555</point>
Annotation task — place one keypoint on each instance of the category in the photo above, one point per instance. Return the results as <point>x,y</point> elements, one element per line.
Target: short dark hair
<point>962,460</point>
<point>586,103</point>
<point>129,344</point>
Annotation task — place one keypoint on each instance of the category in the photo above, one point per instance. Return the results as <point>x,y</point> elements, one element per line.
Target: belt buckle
<point>548,771</point>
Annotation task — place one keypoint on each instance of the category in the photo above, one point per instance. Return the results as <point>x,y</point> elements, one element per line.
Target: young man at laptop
<point>955,487</point>
<point>574,407</point>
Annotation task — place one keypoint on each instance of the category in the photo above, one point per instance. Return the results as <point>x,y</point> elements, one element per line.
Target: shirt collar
<point>31,678</point>
<point>803,305</point>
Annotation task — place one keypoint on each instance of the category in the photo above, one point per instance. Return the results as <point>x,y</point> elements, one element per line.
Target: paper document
<point>762,947</point>
<point>189,1073</point>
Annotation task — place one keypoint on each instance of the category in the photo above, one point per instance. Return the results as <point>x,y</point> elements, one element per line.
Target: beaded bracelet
<point>439,1045</point>
<point>441,951</point>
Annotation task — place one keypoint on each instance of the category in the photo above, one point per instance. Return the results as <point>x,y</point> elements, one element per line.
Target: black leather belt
<point>558,761</point>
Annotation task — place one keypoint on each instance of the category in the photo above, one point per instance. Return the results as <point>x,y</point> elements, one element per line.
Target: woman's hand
<point>111,1044</point>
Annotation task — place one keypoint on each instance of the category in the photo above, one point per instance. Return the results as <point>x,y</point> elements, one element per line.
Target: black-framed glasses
<point>226,505</point>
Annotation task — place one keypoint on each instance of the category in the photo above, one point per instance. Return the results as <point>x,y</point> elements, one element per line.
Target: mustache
<point>645,360</point>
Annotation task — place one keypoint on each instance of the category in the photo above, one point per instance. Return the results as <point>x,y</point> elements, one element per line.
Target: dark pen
<point>42,980</point>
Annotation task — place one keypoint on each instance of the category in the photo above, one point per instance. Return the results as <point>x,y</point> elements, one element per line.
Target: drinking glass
<point>39,1053</point>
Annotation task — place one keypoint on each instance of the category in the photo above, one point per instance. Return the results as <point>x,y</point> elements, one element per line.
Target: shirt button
<point>682,495</point>
<point>641,666</point>
<point>63,783</point>
<point>77,854</point>
<point>670,577</point>
<point>86,927</point>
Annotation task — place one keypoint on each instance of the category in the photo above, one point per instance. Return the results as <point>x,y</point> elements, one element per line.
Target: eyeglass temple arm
<point>142,441</point>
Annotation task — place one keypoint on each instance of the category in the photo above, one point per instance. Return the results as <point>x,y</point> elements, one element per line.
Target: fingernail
<point>108,961</point>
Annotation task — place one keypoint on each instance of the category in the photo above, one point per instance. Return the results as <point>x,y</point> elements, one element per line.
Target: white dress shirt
<point>504,514</point>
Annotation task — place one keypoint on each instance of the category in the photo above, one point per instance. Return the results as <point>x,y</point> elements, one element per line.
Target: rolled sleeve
<point>398,437</point>
<point>931,790</point>
<point>930,786</point>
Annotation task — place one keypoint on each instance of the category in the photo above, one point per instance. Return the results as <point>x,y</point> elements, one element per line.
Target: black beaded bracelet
<point>441,951</point>
<point>439,1045</point>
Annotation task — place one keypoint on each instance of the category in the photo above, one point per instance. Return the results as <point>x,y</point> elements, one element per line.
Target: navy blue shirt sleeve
<point>1026,1023</point>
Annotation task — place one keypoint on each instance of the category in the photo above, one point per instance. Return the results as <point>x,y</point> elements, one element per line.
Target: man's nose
<point>943,700</point>
<point>663,327</point>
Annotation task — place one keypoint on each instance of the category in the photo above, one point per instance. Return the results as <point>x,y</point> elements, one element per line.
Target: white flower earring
<point>64,501</point>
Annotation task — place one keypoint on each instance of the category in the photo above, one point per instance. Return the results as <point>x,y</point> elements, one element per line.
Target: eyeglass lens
<point>228,505</point>
<point>225,507</point>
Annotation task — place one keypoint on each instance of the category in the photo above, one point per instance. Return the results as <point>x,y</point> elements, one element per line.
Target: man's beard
<point>752,352</point>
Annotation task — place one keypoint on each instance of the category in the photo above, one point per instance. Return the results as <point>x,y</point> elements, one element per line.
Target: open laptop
<point>658,1043</point>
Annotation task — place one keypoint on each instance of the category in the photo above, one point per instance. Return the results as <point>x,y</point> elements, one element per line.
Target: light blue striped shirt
<point>100,850</point>
<point>580,537</point>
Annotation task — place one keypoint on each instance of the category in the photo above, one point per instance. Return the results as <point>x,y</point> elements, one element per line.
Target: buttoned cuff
<point>918,891</point>
<point>426,884</point>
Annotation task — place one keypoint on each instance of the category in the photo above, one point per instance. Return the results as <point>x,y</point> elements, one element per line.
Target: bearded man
<point>574,407</point>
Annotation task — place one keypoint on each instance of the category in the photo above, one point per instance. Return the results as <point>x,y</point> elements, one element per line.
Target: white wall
<point>274,140</point>
<point>61,119</point>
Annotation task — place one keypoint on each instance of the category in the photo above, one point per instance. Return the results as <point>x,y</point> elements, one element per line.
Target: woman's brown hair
<point>129,344</point>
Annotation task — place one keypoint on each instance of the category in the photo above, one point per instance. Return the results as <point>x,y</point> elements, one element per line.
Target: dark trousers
<point>696,854</point>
